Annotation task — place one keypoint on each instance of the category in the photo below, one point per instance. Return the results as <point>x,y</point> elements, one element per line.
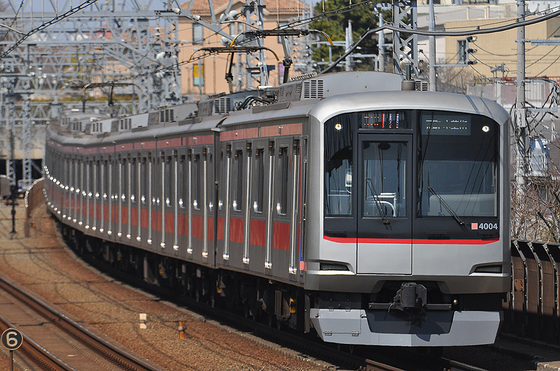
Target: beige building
<point>206,76</point>
<point>501,47</point>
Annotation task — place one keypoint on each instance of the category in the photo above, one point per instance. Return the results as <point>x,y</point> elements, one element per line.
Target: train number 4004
<point>484,226</point>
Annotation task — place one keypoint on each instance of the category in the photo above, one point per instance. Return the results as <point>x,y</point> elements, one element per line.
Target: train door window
<point>196,179</point>
<point>238,193</point>
<point>169,181</point>
<point>65,173</point>
<point>144,177</point>
<point>106,180</point>
<point>384,176</point>
<point>133,179</point>
<point>283,171</point>
<point>338,166</point>
<point>71,175</point>
<point>260,181</point>
<point>116,188</point>
<point>90,179</point>
<point>80,176</point>
<point>181,181</point>
<point>98,179</point>
<point>124,182</point>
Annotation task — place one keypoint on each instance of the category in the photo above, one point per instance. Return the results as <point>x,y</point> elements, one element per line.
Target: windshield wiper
<point>447,207</point>
<point>380,207</point>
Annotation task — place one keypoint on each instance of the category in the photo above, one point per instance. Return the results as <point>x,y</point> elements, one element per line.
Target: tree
<point>337,16</point>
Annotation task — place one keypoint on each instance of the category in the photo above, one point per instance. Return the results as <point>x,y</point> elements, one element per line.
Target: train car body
<point>340,203</point>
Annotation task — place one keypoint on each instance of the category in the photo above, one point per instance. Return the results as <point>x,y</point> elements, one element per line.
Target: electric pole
<point>432,51</point>
<point>520,117</point>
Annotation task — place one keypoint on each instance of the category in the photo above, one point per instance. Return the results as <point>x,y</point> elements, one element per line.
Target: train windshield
<point>457,165</point>
<point>453,159</point>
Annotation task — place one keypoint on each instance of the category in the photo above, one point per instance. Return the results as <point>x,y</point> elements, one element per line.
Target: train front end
<point>412,244</point>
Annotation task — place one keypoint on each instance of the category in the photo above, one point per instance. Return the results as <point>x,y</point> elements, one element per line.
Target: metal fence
<point>532,306</point>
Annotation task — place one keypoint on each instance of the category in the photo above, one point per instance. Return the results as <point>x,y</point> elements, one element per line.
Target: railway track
<point>314,353</point>
<point>34,314</point>
<point>305,348</point>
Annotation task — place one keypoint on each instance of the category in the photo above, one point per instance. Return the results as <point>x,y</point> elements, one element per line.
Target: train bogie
<point>377,218</point>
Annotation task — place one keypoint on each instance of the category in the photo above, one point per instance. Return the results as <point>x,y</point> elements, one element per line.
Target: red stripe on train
<point>418,241</point>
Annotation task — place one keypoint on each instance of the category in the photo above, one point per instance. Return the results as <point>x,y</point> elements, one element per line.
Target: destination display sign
<point>385,120</point>
<point>445,124</point>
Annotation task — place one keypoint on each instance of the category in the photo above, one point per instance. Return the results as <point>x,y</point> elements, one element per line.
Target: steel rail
<point>109,351</point>
<point>36,353</point>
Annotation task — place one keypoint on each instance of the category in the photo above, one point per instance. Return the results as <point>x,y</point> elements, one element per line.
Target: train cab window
<point>457,165</point>
<point>338,166</point>
<point>238,171</point>
<point>260,181</point>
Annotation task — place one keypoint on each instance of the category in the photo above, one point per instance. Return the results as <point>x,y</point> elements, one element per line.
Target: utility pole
<point>381,45</point>
<point>13,185</point>
<point>405,49</point>
<point>520,117</point>
<point>349,42</point>
<point>432,51</point>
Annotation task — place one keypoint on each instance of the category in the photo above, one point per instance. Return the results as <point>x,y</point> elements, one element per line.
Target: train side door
<point>384,186</point>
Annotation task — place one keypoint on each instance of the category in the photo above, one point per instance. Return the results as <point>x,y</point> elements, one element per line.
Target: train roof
<point>320,96</point>
<point>393,100</point>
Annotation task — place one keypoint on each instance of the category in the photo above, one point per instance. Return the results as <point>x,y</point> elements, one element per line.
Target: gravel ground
<point>42,264</point>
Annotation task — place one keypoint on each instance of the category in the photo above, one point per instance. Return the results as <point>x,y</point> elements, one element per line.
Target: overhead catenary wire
<point>47,24</point>
<point>476,31</point>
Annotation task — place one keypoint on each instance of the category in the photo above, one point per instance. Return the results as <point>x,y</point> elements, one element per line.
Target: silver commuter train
<point>340,203</point>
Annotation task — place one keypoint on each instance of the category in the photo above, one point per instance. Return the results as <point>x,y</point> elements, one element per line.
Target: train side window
<point>259,176</point>
<point>196,178</point>
<point>283,171</point>
<point>238,194</point>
